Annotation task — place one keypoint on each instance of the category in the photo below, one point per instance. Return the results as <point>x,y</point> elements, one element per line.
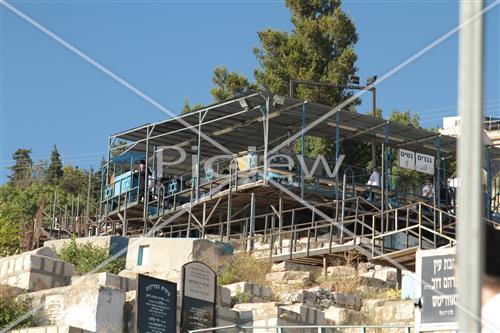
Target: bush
<point>87,257</point>
<point>243,267</point>
<point>12,308</point>
<point>240,298</point>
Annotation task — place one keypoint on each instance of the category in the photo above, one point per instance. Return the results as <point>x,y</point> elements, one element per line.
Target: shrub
<point>240,298</point>
<point>87,257</point>
<point>12,308</point>
<point>243,267</point>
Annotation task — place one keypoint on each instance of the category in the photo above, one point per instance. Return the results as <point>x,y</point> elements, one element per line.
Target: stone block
<point>223,297</point>
<point>289,266</point>
<point>307,315</point>
<point>48,265</point>
<point>337,316</point>
<point>33,263</point>
<point>31,271</point>
<point>367,280</point>
<point>288,276</point>
<point>19,263</point>
<point>51,329</point>
<point>259,310</point>
<point>297,297</point>
<point>227,317</point>
<point>347,300</point>
<point>93,308</point>
<point>179,251</point>
<point>106,280</point>
<point>44,251</point>
<point>396,312</point>
<point>341,271</point>
<point>253,290</point>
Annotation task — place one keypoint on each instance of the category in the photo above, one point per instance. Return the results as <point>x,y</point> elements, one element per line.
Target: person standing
<point>373,181</point>
<point>142,178</point>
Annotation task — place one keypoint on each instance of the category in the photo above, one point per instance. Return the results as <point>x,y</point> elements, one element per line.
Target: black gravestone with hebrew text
<point>199,283</point>
<point>156,305</point>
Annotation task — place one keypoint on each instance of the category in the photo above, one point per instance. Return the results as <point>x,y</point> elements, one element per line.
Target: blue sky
<point>168,49</point>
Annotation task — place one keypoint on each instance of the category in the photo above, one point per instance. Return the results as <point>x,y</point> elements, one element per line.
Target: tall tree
<point>319,48</point>
<point>55,170</point>
<point>21,171</point>
<point>226,85</point>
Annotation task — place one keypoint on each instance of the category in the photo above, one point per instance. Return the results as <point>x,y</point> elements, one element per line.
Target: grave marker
<point>199,283</point>
<point>156,305</point>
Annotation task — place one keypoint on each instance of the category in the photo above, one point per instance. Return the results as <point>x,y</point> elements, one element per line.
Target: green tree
<point>10,228</point>
<point>406,118</point>
<point>22,169</point>
<point>18,205</point>
<point>55,170</point>
<point>74,181</point>
<point>406,180</point>
<point>188,108</point>
<point>226,85</point>
<point>319,48</point>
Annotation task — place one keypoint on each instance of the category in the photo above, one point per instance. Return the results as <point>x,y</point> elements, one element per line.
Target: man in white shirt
<point>373,181</point>
<point>374,178</point>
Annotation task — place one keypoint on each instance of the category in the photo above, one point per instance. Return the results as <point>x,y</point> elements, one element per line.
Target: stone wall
<point>113,244</point>
<point>165,256</point>
<point>51,329</point>
<point>31,271</point>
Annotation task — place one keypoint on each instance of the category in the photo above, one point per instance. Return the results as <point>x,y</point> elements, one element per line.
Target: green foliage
<point>240,298</point>
<point>405,180</point>
<point>18,205</point>
<point>226,85</point>
<point>11,308</point>
<point>54,171</point>
<point>319,48</point>
<point>73,180</point>
<point>22,169</point>
<point>243,267</point>
<point>11,218</point>
<point>87,257</point>
<point>406,118</point>
<point>188,108</point>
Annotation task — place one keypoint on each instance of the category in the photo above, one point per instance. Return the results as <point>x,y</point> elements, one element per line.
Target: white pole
<point>470,157</point>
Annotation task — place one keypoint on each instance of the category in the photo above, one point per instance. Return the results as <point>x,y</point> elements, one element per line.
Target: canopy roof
<point>236,127</point>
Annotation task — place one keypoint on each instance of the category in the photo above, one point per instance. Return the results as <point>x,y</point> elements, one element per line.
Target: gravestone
<point>54,307</point>
<point>199,283</point>
<point>156,305</point>
<point>436,290</point>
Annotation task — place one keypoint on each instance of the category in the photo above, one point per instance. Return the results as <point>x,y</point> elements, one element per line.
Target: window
<point>143,255</point>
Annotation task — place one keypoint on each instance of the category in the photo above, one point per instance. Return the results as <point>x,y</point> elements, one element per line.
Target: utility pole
<point>470,157</point>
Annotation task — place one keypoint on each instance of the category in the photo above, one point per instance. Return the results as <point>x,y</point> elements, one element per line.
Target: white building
<point>451,127</point>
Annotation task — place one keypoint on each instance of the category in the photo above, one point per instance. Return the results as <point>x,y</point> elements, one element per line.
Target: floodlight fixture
<point>353,79</point>
<point>371,80</point>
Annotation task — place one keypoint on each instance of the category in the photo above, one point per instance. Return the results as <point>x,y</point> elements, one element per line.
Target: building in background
<point>451,127</point>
